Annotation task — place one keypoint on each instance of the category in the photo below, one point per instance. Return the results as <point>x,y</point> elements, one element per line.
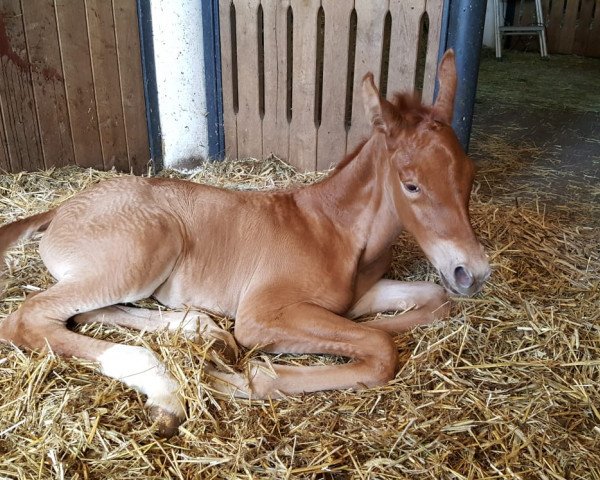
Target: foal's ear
<point>443,107</point>
<point>372,103</point>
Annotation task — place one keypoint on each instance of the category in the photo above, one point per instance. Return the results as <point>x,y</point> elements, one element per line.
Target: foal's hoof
<point>167,422</point>
<point>224,344</point>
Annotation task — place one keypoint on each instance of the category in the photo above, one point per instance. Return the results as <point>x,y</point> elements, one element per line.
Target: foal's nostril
<point>463,277</point>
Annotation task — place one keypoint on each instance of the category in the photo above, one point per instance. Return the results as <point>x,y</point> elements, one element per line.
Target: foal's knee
<point>438,302</point>
<point>383,359</point>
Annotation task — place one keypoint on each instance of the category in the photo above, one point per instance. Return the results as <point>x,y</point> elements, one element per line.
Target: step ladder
<point>538,29</point>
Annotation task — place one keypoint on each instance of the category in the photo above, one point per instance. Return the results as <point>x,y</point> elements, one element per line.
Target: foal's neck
<point>355,197</point>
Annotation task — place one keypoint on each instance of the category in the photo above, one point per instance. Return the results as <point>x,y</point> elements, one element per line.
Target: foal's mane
<point>403,112</point>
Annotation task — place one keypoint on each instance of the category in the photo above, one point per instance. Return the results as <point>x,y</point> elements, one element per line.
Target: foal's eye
<point>412,188</point>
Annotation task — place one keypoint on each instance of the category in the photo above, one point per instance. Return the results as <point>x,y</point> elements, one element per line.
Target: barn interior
<point>508,387</point>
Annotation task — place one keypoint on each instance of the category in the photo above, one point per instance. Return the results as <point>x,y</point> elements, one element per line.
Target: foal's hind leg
<point>40,323</point>
<point>190,323</point>
<point>423,303</point>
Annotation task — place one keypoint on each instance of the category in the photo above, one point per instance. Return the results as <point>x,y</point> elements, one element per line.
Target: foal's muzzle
<point>466,281</point>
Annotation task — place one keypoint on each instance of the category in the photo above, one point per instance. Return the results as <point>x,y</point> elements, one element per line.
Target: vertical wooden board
<point>107,85</point>
<point>434,11</point>
<point>16,92</point>
<point>77,71</point>
<point>48,82</point>
<point>554,25</point>
<point>370,17</point>
<point>404,44</point>
<point>331,135</point>
<point>132,84</point>
<point>527,17</point>
<point>583,27</point>
<point>303,131</point>
<point>249,123</point>
<point>227,65</point>
<point>593,43</point>
<point>567,33</point>
<point>4,158</point>
<point>275,123</point>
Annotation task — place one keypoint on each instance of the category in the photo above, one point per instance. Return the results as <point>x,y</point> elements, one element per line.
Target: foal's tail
<point>13,232</point>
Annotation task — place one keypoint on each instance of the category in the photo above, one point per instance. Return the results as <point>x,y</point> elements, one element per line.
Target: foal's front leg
<point>307,328</point>
<point>423,302</point>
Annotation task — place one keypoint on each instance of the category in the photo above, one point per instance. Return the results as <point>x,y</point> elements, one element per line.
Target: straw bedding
<point>507,387</point>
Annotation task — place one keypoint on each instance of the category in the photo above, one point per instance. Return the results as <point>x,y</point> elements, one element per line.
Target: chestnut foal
<point>293,267</point>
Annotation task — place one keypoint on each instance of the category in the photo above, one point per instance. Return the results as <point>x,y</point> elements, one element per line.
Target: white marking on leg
<point>139,368</point>
<point>383,296</point>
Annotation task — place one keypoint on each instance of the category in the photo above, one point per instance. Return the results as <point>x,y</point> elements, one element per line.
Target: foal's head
<point>430,178</point>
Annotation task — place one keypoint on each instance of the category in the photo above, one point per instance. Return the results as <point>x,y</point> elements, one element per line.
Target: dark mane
<point>403,112</point>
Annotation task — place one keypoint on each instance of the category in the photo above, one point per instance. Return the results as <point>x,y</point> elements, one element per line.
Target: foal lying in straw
<point>293,267</point>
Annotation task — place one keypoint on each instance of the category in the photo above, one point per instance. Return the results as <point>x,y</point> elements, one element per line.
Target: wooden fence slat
<point>249,123</point>
<point>132,86</point>
<point>227,67</point>
<point>434,11</point>
<point>48,86</point>
<point>303,131</point>
<point>583,27</point>
<point>16,93</point>
<point>370,18</point>
<point>527,16</point>
<point>331,136</point>
<point>554,21</point>
<point>567,32</point>
<point>105,71</point>
<point>406,16</point>
<point>4,157</point>
<point>79,84</point>
<point>275,122</point>
<point>593,42</point>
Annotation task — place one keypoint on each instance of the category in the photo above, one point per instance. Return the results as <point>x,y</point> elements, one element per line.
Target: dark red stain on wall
<point>6,50</point>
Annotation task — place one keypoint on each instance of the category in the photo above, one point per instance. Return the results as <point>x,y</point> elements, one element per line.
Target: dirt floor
<point>548,110</point>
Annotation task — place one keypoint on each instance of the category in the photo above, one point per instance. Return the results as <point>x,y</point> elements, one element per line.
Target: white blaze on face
<point>138,368</point>
<point>446,256</point>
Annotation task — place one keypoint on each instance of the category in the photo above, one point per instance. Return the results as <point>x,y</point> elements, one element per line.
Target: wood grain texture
<point>107,84</point>
<point>77,70</point>
<point>249,122</point>
<point>582,30</point>
<point>370,18</point>
<point>303,131</point>
<point>48,82</point>
<point>434,11</point>
<point>132,84</point>
<point>227,73</point>
<point>567,32</point>
<point>275,124</point>
<point>554,20</point>
<point>593,43</point>
<point>331,136</point>
<point>404,45</point>
<point>17,102</point>
<point>4,156</point>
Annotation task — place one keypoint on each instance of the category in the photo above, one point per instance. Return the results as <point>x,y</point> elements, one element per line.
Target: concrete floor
<point>537,125</point>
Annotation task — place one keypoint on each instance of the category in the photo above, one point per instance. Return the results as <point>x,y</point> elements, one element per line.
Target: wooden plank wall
<point>71,90</point>
<point>301,101</point>
<point>572,26</point>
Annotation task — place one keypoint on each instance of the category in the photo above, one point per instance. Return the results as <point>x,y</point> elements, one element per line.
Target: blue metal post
<point>214,90</point>
<point>150,88</point>
<point>466,19</point>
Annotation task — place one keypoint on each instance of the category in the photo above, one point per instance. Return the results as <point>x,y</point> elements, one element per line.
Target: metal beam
<point>464,34</point>
<point>214,90</point>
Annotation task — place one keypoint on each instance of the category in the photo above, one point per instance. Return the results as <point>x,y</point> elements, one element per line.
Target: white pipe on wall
<point>180,79</point>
